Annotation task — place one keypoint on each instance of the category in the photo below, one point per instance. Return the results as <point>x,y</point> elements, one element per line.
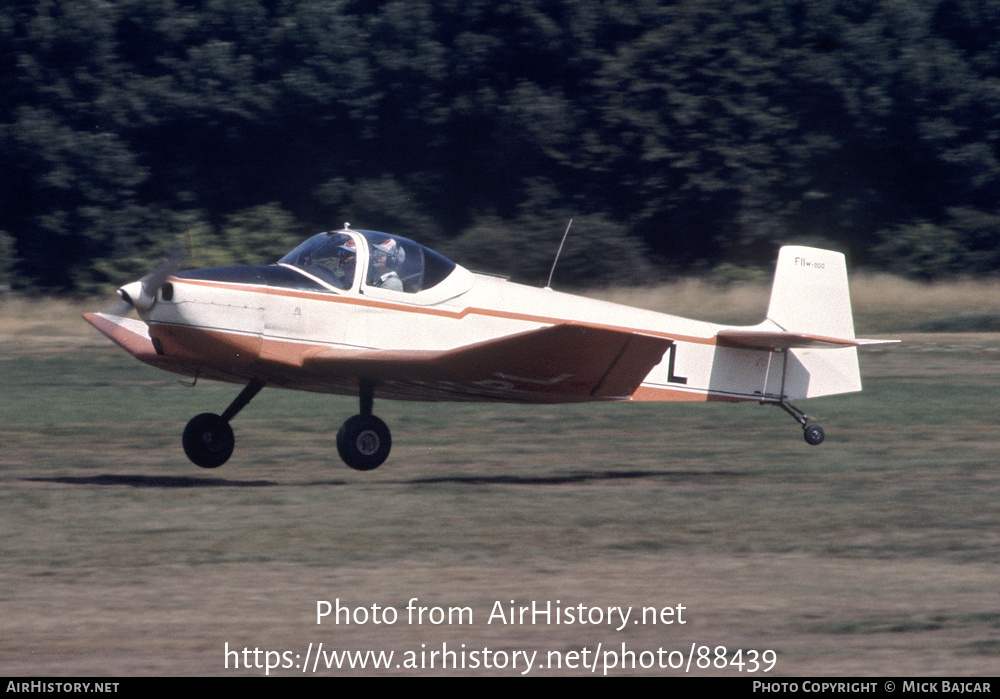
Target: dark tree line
<point>673,133</point>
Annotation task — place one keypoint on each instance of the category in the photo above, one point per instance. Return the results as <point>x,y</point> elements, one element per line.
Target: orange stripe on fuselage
<point>659,394</point>
<point>279,362</point>
<point>230,351</point>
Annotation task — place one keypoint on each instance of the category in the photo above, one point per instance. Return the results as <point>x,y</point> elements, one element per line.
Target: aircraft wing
<point>559,363</point>
<point>133,336</point>
<point>129,334</point>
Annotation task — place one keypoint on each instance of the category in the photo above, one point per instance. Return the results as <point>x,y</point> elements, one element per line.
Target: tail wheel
<point>814,434</point>
<point>364,442</point>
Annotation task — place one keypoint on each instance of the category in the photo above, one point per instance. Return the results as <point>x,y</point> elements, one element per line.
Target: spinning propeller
<point>141,295</point>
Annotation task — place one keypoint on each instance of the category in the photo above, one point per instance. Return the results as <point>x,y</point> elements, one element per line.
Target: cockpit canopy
<point>391,262</point>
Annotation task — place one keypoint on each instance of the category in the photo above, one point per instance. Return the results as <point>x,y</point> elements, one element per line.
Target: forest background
<point>692,136</point>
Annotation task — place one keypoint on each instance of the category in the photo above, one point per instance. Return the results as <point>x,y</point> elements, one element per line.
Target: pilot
<point>335,262</point>
<point>344,270</point>
<point>387,258</point>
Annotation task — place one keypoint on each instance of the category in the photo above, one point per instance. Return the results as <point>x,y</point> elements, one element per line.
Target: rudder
<point>810,293</point>
<point>811,296</point>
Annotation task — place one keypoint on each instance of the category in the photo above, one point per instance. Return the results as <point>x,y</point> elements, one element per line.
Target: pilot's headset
<point>394,253</point>
<point>347,249</point>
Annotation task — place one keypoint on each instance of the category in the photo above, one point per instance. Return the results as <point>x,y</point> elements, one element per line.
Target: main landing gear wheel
<point>364,442</point>
<point>814,434</point>
<point>208,440</point>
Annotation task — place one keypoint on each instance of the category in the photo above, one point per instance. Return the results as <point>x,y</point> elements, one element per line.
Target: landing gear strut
<point>813,433</point>
<point>208,439</point>
<point>364,440</point>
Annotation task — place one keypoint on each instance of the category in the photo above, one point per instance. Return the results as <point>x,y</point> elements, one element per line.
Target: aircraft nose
<point>136,295</point>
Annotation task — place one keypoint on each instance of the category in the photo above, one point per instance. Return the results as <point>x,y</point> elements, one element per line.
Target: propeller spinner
<point>141,294</point>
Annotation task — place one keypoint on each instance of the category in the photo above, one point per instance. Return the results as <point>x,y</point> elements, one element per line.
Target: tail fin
<point>810,296</point>
<point>809,329</point>
<point>810,305</point>
<point>810,293</point>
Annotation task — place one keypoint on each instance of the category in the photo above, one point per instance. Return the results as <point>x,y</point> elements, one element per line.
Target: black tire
<point>814,434</point>
<point>208,440</point>
<point>364,442</point>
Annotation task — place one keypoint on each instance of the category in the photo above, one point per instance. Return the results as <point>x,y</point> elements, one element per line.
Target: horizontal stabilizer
<point>776,339</point>
<point>567,362</point>
<point>810,306</point>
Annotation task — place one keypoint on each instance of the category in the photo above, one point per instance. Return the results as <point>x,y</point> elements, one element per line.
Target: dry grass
<point>694,298</point>
<point>885,303</point>
<point>882,303</point>
<point>33,323</point>
<point>883,292</point>
<point>822,617</point>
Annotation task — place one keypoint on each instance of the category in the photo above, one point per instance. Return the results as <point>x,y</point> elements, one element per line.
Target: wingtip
<point>863,342</point>
<point>130,335</point>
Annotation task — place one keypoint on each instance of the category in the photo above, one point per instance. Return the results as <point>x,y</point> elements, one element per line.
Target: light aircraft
<point>365,313</point>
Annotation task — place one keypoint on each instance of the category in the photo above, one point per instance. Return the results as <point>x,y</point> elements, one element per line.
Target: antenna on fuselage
<point>558,253</point>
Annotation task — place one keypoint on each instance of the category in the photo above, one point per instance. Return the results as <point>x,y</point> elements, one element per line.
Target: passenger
<point>387,258</point>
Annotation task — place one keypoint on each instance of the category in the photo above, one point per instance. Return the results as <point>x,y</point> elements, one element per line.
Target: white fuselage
<point>371,314</point>
<point>237,331</point>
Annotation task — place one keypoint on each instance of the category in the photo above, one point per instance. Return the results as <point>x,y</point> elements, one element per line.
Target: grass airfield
<point>876,553</point>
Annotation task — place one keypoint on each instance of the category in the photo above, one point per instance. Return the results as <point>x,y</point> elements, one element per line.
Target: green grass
<point>909,455</point>
<point>887,530</point>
